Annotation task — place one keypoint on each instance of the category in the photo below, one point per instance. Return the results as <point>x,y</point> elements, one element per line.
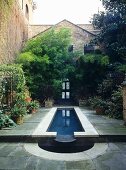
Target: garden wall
<point>13,30</point>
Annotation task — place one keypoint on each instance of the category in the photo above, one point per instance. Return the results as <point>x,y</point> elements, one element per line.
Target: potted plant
<point>27,95</point>
<point>5,121</point>
<point>17,113</point>
<point>33,106</point>
<point>49,102</point>
<point>100,106</point>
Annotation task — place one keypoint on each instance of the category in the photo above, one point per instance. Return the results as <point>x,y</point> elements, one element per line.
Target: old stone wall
<point>37,29</point>
<point>79,36</point>
<point>13,30</point>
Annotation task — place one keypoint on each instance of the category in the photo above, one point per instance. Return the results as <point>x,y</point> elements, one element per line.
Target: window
<point>67,95</point>
<point>88,48</point>
<point>27,12</point>
<point>67,85</point>
<point>66,89</point>
<point>63,85</point>
<point>63,95</point>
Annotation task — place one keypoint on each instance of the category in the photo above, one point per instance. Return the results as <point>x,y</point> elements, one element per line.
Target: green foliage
<point>112,107</point>
<point>122,68</point>
<point>97,102</point>
<point>32,105</point>
<point>89,71</point>
<point>112,30</point>
<point>25,58</point>
<point>18,110</point>
<point>44,61</point>
<point>115,105</point>
<point>16,72</point>
<point>5,121</point>
<point>92,58</point>
<point>17,85</point>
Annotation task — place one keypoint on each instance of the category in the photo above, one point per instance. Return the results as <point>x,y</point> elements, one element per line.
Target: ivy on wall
<point>6,7</point>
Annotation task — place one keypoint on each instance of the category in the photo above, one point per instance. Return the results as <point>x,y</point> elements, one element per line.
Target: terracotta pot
<point>18,119</point>
<point>34,111</point>
<point>99,110</point>
<point>28,99</point>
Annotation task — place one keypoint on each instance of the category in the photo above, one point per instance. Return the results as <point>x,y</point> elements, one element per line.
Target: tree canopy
<point>45,59</point>
<point>112,23</point>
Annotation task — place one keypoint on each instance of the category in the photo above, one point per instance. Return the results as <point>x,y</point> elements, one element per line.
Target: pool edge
<point>41,130</point>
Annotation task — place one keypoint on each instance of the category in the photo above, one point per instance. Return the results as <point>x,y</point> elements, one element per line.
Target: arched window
<point>26,12</point>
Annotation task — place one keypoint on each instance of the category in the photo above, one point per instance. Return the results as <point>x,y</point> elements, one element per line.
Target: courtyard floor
<point>14,156</point>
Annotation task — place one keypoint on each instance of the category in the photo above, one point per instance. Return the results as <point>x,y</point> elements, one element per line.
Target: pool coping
<point>97,150</point>
<point>41,130</point>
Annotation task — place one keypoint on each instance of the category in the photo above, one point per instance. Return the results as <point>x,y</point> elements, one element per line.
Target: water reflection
<point>66,118</point>
<point>63,113</point>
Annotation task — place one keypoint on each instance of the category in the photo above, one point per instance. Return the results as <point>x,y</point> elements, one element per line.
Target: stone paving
<point>29,125</point>
<point>105,125</point>
<point>13,156</point>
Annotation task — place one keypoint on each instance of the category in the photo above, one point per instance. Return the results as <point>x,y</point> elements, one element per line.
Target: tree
<point>45,59</point>
<point>112,25</point>
<point>90,71</point>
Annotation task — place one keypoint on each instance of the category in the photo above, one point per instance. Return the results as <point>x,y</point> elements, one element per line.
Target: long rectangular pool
<point>65,122</point>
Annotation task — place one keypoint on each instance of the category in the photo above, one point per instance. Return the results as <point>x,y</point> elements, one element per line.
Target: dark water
<point>65,122</point>
<point>58,147</point>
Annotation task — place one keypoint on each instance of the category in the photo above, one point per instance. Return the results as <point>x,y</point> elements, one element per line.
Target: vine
<point>6,6</point>
<point>5,12</point>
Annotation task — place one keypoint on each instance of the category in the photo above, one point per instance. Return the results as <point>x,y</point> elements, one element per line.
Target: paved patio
<point>13,155</point>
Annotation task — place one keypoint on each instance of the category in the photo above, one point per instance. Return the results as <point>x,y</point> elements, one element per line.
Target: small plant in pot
<point>99,105</point>
<point>17,113</point>
<point>27,95</point>
<point>49,102</point>
<point>33,106</point>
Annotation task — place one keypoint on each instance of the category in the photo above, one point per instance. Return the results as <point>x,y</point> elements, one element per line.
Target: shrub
<point>115,106</point>
<point>33,105</point>
<point>13,83</point>
<point>5,121</point>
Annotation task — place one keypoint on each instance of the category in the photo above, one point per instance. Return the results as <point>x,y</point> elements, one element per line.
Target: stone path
<point>13,156</point>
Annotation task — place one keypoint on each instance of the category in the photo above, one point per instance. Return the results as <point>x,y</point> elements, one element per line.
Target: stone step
<point>30,138</point>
